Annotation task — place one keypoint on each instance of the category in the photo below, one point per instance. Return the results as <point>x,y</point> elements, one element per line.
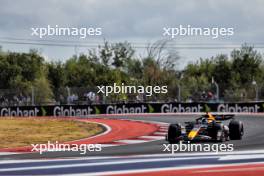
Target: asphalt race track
<point>253,140</point>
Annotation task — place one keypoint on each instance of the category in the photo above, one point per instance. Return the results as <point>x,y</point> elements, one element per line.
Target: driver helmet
<point>204,120</point>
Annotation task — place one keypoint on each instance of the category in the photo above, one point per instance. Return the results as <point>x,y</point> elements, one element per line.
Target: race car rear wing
<point>222,117</point>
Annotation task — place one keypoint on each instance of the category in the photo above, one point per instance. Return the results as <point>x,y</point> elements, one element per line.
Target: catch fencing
<point>89,96</point>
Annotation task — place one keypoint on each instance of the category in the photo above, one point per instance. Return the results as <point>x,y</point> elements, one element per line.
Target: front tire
<point>174,132</point>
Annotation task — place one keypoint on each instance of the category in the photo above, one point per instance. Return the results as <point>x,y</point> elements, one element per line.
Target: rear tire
<point>174,132</point>
<point>236,130</point>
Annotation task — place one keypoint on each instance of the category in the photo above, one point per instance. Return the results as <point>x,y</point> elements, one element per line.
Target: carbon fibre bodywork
<point>206,129</point>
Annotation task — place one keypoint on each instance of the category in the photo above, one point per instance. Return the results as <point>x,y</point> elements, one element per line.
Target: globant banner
<point>85,110</point>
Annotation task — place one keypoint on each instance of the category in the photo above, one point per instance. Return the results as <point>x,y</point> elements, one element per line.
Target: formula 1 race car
<point>208,127</point>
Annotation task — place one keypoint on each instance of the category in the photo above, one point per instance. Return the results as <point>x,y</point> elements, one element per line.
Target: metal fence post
<point>69,94</point>
<point>254,83</point>
<point>179,92</point>
<point>217,89</point>
<point>32,96</point>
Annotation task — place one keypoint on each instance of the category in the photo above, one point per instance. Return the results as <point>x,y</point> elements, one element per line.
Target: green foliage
<point>56,74</point>
<point>246,62</point>
<point>18,69</point>
<point>43,91</point>
<point>117,63</point>
<point>234,75</point>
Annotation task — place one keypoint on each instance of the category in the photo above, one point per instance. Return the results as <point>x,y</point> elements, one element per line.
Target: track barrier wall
<point>138,108</point>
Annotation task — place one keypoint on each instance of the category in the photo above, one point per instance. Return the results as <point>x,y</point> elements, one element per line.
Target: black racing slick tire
<point>236,130</point>
<point>174,132</point>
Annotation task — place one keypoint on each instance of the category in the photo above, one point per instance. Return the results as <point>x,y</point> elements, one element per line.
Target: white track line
<point>163,127</point>
<point>7,153</point>
<point>109,145</point>
<point>108,129</point>
<point>132,141</point>
<point>152,137</point>
<point>160,133</point>
<point>127,161</point>
<point>171,114</point>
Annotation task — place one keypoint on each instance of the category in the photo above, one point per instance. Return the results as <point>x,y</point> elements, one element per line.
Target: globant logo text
<point>170,108</point>
<point>17,112</point>
<point>70,111</point>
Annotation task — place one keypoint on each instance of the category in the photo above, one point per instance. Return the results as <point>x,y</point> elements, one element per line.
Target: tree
<point>222,73</point>
<point>122,52</point>
<point>80,72</point>
<point>42,90</point>
<point>105,53</point>
<point>56,74</point>
<point>163,54</point>
<point>246,62</point>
